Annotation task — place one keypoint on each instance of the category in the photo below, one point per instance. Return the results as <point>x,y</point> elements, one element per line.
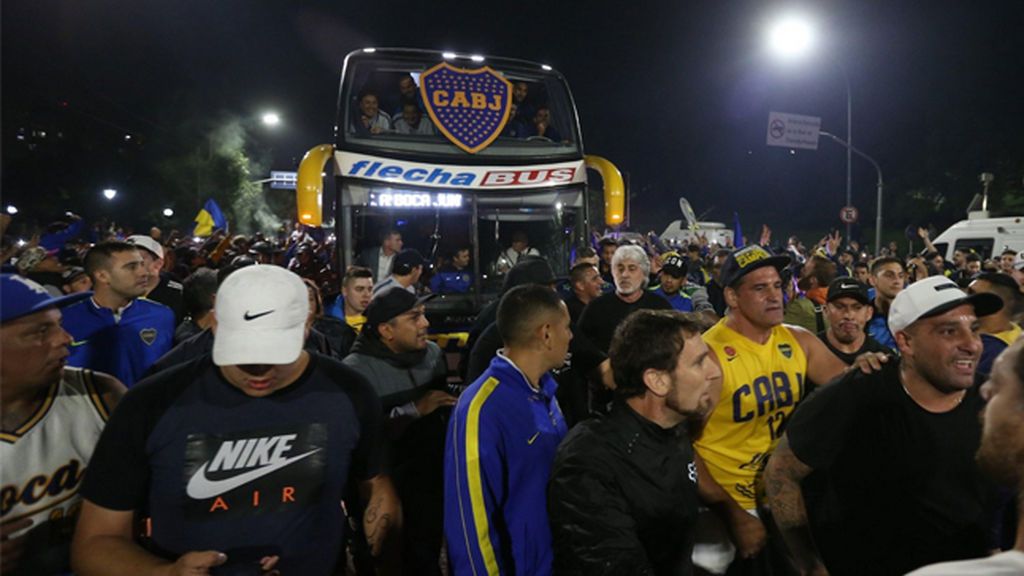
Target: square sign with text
<point>793,130</point>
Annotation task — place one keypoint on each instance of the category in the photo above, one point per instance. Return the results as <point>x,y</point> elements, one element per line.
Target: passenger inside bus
<point>412,121</point>
<point>532,116</point>
<point>370,119</point>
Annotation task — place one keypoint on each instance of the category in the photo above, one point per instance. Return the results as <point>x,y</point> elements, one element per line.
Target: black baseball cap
<point>530,270</point>
<point>391,303</point>
<point>406,260</point>
<point>846,287</point>
<point>746,260</point>
<point>674,266</point>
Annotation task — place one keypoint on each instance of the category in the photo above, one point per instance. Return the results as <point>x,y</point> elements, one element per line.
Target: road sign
<point>283,180</point>
<point>793,130</point>
<point>849,214</point>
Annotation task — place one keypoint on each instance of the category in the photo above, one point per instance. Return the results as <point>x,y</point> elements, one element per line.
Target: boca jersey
<point>44,460</point>
<point>761,386</point>
<point>123,346</point>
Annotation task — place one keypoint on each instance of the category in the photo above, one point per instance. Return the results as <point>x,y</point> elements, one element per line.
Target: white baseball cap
<point>148,243</point>
<point>933,296</point>
<point>1018,261</point>
<point>261,315</point>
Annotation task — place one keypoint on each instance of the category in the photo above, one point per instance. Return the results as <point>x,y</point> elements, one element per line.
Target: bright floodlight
<point>271,119</point>
<point>109,193</point>
<point>546,67</point>
<point>476,58</point>
<point>11,209</point>
<point>791,37</point>
<point>448,55</point>
<point>168,212</point>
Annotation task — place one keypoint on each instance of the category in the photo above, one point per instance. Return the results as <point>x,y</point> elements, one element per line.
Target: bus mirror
<point>309,186</point>
<point>614,189</point>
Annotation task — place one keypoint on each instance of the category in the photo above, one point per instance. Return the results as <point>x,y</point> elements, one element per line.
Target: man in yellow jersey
<point>765,365</point>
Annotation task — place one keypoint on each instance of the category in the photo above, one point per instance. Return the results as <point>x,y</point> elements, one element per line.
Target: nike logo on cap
<point>848,286</point>
<point>248,316</point>
<point>79,343</point>
<point>239,454</point>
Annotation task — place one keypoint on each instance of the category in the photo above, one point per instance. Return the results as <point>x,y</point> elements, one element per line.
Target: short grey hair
<point>634,253</point>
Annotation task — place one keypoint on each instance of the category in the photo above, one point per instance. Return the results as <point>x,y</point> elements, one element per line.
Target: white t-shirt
<point>1009,563</point>
<point>384,265</point>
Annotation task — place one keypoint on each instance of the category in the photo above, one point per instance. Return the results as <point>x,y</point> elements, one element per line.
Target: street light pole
<point>849,149</point>
<point>880,185</point>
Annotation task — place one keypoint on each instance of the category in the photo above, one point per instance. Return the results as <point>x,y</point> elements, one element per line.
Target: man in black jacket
<point>624,488</point>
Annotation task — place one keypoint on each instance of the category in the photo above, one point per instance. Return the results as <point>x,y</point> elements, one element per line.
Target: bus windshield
<point>381,110</point>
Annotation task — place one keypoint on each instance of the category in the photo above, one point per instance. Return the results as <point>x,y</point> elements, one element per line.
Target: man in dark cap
<point>409,374</point>
<point>998,330</point>
<point>894,449</point>
<point>405,272</point>
<point>672,278</point>
<point>765,366</point>
<point>75,280</point>
<point>848,309</point>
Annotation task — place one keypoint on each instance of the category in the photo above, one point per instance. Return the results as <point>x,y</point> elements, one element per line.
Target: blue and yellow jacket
<point>501,444</point>
<point>124,346</point>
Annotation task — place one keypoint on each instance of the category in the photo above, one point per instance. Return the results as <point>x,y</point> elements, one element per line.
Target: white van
<point>987,237</point>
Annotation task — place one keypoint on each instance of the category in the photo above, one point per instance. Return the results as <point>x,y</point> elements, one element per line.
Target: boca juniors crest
<point>470,107</point>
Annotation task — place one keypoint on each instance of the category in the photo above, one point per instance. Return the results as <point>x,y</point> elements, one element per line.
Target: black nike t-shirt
<point>219,470</point>
<point>894,487</point>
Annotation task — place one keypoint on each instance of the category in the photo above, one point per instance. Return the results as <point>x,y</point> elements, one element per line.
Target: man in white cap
<point>1001,456</point>
<point>893,451</point>
<point>241,459</point>
<point>52,417</point>
<point>1018,270</point>
<point>162,287</point>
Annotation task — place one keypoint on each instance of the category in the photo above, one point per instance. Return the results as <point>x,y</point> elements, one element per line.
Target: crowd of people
<point>235,405</point>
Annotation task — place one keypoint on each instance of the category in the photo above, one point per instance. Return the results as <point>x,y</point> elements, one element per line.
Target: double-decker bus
<point>457,150</point>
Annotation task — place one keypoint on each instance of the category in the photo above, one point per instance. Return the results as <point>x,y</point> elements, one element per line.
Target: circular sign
<point>848,214</point>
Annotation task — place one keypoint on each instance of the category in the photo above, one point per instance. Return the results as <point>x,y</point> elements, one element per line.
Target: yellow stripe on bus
<point>476,489</point>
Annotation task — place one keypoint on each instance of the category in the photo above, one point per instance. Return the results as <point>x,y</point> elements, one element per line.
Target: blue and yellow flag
<point>209,219</point>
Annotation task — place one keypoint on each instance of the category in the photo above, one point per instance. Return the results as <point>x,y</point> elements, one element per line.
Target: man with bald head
<point>893,450</point>
<point>1001,457</point>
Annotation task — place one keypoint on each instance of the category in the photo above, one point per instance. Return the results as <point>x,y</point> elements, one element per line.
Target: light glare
<point>476,58</point>
<point>271,119</point>
<point>109,193</point>
<point>791,37</point>
<point>448,55</point>
<point>168,212</point>
<point>12,209</point>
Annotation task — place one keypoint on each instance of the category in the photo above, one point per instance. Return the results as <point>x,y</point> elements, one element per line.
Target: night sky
<point>675,93</point>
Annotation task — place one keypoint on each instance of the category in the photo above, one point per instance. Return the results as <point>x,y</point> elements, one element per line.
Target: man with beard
<point>631,270</point>
<point>117,331</point>
<point>623,491</point>
<point>848,309</point>
<point>1001,457</point>
<point>408,372</point>
<point>892,451</point>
